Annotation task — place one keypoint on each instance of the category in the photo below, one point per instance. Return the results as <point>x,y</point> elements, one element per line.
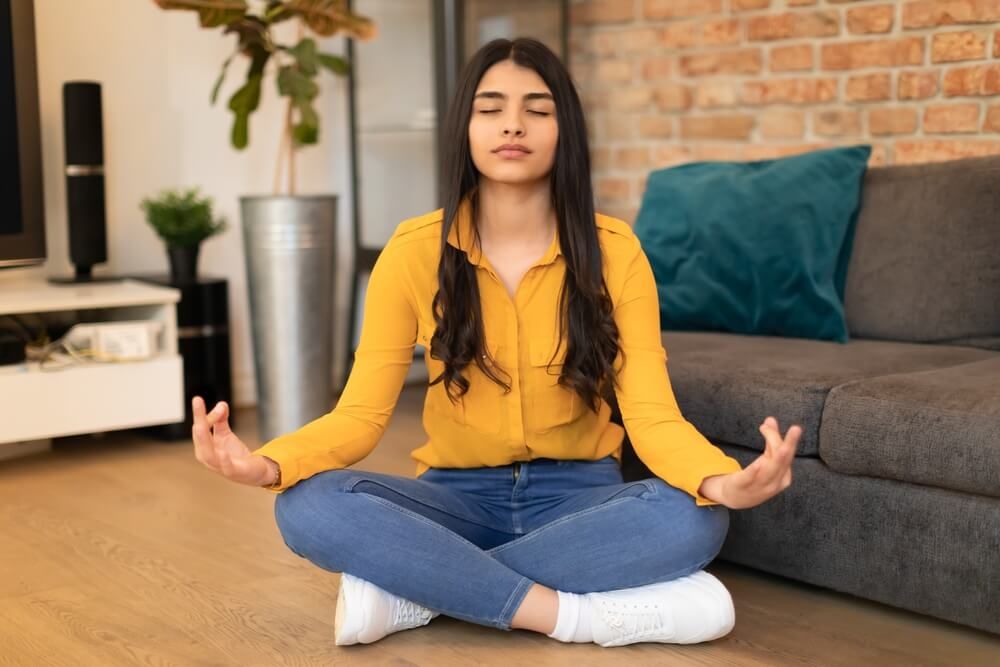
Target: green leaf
<point>211,13</point>
<point>222,75</point>
<point>243,102</point>
<point>182,217</point>
<point>293,83</point>
<point>305,54</point>
<point>335,64</point>
<point>306,131</point>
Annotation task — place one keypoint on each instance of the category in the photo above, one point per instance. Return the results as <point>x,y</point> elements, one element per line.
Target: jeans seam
<point>352,485</point>
<point>563,519</point>
<point>520,592</point>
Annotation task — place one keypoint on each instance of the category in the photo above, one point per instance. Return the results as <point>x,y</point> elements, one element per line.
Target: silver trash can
<point>290,249</point>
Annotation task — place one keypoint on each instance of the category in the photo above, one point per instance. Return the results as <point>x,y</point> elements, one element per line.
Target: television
<point>22,215</point>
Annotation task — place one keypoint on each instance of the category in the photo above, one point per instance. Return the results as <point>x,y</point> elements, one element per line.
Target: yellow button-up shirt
<point>538,418</point>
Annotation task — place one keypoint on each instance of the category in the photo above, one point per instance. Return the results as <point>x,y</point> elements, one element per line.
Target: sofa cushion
<point>936,427</point>
<point>726,384</point>
<point>759,247</point>
<point>924,263</point>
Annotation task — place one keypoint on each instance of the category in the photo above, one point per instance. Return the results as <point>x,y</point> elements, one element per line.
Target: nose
<point>513,130</point>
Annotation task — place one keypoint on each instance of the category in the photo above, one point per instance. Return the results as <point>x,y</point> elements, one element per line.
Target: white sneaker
<point>687,610</point>
<point>366,613</point>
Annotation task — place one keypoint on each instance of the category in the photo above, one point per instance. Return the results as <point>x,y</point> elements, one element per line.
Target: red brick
<point>673,97</point>
<point>991,123</point>
<point>930,13</point>
<point>680,35</point>
<point>747,5</point>
<point>951,118</point>
<point>618,127</point>
<point>868,87</point>
<point>632,157</point>
<point>720,31</point>
<point>672,9</point>
<point>715,93</point>
<point>669,156</point>
<point>608,187</point>
<point>600,158</point>
<point>975,80</point>
<point>638,40</point>
<point>733,126</point>
<point>630,99</point>
<point>791,58</point>
<point>793,24</point>
<point>892,120</point>
<point>743,61</point>
<point>917,85</point>
<point>837,122</point>
<point>601,11</point>
<point>781,124</point>
<point>613,71</point>
<point>862,20</point>
<point>657,67</point>
<point>656,127</point>
<point>953,46</point>
<point>791,91</point>
<point>937,150</point>
<point>600,43</point>
<point>873,53</point>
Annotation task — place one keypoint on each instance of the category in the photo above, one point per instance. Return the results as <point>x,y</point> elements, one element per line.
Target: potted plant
<point>183,219</point>
<point>288,238</point>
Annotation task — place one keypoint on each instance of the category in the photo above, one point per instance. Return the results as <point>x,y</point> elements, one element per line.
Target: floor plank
<point>121,549</point>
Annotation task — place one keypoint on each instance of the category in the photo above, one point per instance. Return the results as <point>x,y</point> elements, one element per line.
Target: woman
<point>531,307</point>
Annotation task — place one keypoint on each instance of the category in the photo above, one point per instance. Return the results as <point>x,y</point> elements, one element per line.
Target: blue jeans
<point>469,543</point>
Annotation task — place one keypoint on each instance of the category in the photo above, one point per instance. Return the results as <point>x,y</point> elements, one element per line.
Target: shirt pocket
<point>479,408</point>
<point>551,404</point>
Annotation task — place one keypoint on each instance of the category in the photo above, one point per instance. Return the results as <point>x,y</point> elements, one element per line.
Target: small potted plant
<point>183,219</point>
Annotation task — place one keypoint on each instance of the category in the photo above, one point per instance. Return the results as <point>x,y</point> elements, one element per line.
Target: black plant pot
<point>183,263</point>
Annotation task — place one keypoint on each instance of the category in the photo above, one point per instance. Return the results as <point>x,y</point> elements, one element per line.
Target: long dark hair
<point>585,306</point>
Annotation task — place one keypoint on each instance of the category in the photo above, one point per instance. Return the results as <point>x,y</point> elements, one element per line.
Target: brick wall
<point>671,81</point>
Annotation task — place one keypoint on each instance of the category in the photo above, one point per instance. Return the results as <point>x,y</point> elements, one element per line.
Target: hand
<point>766,477</point>
<point>218,448</point>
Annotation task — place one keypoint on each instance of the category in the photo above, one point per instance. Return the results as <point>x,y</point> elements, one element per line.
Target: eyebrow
<point>495,94</point>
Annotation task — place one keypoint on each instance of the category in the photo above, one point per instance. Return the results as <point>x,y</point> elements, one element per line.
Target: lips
<point>512,150</point>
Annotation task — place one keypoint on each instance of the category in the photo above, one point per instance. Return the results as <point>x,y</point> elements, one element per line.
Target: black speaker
<point>203,343</point>
<point>84,142</point>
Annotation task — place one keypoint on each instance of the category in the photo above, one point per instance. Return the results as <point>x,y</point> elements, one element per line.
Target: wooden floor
<point>124,550</point>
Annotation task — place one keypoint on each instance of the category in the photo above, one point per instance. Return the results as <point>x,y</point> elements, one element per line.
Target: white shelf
<point>89,398</point>
<point>92,396</point>
<point>31,296</point>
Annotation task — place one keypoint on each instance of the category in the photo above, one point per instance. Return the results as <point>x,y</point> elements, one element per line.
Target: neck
<point>518,213</point>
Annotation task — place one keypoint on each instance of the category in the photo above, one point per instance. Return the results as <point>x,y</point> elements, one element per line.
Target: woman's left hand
<point>766,477</point>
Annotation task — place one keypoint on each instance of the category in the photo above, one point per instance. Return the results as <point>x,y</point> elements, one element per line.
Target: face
<point>513,107</point>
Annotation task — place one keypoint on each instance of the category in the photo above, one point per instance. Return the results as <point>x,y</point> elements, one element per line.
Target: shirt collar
<point>462,236</point>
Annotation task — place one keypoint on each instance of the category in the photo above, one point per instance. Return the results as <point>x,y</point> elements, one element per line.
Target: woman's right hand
<point>218,448</point>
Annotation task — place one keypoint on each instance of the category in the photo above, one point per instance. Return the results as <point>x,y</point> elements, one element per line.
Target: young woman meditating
<point>530,307</point>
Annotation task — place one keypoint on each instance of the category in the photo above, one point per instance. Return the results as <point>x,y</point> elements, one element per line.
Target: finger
<point>221,419</point>
<point>791,443</point>
<point>204,448</point>
<point>198,408</point>
<point>772,438</point>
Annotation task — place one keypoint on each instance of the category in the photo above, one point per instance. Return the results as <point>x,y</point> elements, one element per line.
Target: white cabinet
<point>88,396</point>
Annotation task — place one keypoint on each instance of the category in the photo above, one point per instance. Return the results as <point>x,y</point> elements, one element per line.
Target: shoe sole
<point>340,636</point>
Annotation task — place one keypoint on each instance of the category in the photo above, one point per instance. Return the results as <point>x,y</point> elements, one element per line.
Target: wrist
<point>274,472</point>
<point>713,488</point>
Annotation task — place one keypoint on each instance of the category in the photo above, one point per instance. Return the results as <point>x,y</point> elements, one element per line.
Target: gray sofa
<point>896,487</point>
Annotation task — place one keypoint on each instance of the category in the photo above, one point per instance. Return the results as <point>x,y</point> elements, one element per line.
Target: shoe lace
<point>408,612</point>
<point>630,619</point>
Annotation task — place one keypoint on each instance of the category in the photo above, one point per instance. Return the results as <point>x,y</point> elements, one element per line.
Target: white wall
<point>157,69</point>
